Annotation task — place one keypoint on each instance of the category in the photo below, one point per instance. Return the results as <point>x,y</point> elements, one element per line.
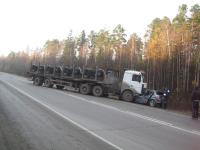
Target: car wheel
<point>152,103</point>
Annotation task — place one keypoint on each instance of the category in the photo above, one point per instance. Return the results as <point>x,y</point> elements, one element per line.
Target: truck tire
<point>84,89</point>
<point>127,96</point>
<point>60,87</point>
<point>97,90</point>
<point>38,81</point>
<point>48,83</point>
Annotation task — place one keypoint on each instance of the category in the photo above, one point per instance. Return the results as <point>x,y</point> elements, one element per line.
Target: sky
<point>28,24</point>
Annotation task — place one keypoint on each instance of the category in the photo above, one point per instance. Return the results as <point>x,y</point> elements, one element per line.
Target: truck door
<point>136,83</point>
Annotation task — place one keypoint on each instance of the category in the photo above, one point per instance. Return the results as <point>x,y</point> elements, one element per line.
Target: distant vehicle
<point>90,81</point>
<point>152,98</point>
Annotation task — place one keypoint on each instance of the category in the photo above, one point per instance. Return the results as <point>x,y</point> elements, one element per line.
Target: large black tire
<point>97,91</point>
<point>48,83</point>
<point>38,81</point>
<point>127,96</point>
<point>85,89</point>
<point>60,87</point>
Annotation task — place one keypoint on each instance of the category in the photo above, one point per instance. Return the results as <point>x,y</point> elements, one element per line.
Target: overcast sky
<point>29,23</point>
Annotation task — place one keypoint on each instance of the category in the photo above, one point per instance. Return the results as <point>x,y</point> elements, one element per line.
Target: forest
<point>168,54</point>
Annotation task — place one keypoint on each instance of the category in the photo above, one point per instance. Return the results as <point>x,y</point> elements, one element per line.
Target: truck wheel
<point>97,91</point>
<point>47,83</point>
<point>84,89</point>
<point>152,103</point>
<point>38,81</point>
<point>60,87</point>
<point>127,96</point>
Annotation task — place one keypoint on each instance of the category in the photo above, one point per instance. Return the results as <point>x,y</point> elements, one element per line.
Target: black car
<point>152,98</point>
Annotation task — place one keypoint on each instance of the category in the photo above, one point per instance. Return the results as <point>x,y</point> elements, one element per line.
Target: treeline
<point>169,54</point>
<point>105,49</point>
<point>172,53</point>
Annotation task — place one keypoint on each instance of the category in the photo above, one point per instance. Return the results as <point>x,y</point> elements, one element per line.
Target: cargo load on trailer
<point>95,81</point>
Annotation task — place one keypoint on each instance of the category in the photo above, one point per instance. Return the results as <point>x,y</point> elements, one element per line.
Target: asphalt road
<point>40,118</point>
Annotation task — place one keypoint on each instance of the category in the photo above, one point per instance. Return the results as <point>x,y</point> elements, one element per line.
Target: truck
<point>97,82</point>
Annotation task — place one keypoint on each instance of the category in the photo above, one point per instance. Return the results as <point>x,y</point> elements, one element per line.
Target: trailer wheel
<point>60,87</point>
<point>127,96</point>
<point>48,83</point>
<point>97,91</point>
<point>38,81</point>
<point>84,89</point>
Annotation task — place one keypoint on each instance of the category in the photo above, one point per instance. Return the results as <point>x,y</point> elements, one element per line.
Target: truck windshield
<point>136,78</point>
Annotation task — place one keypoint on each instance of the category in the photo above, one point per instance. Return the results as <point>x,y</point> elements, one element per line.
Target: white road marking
<point>63,116</point>
<point>116,109</point>
<point>134,114</point>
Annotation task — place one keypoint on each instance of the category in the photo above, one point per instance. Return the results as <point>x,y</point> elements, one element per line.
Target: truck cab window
<point>136,78</point>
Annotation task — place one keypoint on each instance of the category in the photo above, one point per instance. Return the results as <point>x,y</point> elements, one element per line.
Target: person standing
<point>195,102</point>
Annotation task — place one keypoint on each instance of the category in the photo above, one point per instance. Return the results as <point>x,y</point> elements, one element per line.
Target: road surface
<point>40,118</point>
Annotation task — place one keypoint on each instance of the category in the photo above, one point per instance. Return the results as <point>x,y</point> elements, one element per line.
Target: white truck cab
<point>132,84</point>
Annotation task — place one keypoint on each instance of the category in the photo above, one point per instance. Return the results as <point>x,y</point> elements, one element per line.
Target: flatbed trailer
<point>85,86</point>
<point>131,84</point>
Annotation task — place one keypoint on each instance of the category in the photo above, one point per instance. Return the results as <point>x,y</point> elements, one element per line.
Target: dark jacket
<point>195,94</point>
